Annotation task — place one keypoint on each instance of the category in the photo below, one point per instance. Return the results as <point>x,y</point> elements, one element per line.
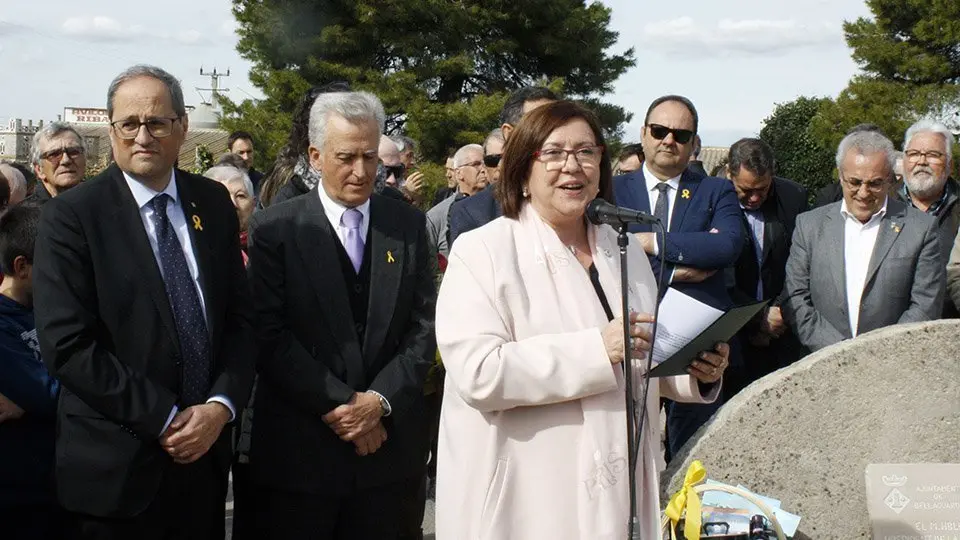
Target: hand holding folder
<point>686,326</point>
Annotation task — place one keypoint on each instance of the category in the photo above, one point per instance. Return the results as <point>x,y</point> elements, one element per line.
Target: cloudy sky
<point>735,59</point>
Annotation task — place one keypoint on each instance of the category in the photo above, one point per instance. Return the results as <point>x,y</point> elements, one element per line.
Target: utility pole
<point>215,88</point>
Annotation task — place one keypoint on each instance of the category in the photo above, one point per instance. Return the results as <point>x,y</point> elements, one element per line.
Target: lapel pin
<point>895,227</point>
<point>685,194</point>
<point>390,258</point>
<point>196,223</point>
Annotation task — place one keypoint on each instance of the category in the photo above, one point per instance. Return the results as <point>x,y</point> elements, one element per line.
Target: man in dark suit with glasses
<point>143,315</point>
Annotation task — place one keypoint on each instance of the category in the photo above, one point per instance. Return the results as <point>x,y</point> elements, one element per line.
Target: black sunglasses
<point>396,170</point>
<point>492,160</point>
<point>659,133</point>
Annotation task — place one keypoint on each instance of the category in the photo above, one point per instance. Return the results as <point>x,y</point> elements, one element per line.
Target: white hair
<point>460,158</point>
<point>867,143</point>
<point>930,126</point>
<point>227,173</point>
<point>48,132</point>
<point>355,107</point>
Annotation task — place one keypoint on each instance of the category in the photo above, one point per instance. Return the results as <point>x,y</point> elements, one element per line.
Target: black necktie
<point>662,210</point>
<point>185,303</point>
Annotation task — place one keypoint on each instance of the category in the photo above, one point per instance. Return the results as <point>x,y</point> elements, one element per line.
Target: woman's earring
<point>525,193</point>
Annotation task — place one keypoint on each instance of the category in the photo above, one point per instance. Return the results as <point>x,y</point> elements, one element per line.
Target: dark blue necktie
<point>187,311</point>
<point>661,210</point>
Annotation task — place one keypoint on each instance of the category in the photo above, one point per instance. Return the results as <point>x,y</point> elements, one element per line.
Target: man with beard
<point>927,184</point>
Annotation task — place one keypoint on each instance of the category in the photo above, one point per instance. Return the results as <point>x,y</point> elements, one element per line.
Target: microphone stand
<point>633,437</point>
<point>623,240</point>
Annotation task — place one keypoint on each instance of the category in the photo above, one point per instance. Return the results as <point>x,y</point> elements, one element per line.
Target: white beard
<point>923,184</point>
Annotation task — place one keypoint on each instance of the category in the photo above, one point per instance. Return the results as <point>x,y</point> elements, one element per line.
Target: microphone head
<point>594,210</point>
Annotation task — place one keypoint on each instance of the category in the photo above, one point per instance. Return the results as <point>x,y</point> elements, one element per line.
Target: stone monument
<point>806,434</point>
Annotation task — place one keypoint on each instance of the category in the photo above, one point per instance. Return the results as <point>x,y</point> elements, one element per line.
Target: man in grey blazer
<point>867,261</point>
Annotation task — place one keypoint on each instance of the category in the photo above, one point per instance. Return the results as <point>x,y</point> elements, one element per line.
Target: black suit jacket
<point>787,200</point>
<point>473,212</point>
<point>312,360</point>
<point>107,332</point>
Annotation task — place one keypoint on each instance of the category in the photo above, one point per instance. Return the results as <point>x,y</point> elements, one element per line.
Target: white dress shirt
<point>858,242</point>
<point>755,220</point>
<point>334,212</point>
<point>143,195</point>
<point>654,194</point>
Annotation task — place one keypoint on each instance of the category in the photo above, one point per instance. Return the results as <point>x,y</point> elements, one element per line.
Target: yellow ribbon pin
<point>685,194</point>
<point>196,223</point>
<point>895,227</point>
<point>688,499</point>
<point>390,257</point>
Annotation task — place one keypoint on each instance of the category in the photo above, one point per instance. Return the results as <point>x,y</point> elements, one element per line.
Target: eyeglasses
<point>682,136</point>
<point>932,156</point>
<point>555,158</point>
<point>874,186</point>
<point>55,155</point>
<point>158,128</point>
<point>492,160</point>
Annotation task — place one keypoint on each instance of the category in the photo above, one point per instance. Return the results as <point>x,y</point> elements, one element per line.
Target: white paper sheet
<point>681,319</point>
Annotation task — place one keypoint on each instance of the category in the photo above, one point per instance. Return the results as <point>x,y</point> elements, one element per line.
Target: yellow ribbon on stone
<point>687,498</point>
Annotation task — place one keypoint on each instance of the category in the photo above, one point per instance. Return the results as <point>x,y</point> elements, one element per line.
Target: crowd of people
<point>347,348</point>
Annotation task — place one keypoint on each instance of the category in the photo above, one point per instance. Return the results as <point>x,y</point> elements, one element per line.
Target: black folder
<point>722,329</point>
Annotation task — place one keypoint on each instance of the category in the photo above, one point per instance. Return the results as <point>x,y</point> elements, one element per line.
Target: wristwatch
<point>384,404</point>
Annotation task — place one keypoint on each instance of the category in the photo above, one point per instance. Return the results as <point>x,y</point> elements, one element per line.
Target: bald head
<point>16,181</point>
<point>388,152</point>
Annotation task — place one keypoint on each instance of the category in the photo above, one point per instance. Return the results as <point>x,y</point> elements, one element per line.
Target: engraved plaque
<point>914,501</point>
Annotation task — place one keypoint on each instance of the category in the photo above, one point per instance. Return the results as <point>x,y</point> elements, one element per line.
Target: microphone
<point>600,211</point>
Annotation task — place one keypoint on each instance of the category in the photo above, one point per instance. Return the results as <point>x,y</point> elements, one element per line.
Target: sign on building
<point>76,115</point>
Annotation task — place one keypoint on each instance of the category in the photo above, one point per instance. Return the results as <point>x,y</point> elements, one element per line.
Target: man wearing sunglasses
<point>483,207</point>
<point>59,159</point>
<point>701,216</point>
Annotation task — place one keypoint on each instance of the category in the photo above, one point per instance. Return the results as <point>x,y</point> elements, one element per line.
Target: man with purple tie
<point>341,434</point>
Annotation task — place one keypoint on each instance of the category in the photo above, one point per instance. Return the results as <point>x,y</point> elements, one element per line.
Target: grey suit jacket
<point>438,223</point>
<point>905,281</point>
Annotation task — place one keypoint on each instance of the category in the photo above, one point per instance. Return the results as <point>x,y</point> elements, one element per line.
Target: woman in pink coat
<point>533,440</point>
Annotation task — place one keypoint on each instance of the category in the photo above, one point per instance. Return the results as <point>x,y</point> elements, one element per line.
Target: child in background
<point>28,394</point>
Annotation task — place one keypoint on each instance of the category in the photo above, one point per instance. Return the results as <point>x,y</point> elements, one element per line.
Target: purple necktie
<point>352,241</point>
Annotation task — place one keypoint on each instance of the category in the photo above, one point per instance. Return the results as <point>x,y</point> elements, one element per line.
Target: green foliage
<point>910,56</point>
<point>442,69</point>
<point>203,159</point>
<point>800,156</point>
<point>434,178</point>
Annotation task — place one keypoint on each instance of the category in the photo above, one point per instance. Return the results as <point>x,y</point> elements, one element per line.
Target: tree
<point>910,57</point>
<point>443,69</point>
<point>800,156</point>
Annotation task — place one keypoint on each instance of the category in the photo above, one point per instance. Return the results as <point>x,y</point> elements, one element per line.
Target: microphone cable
<point>653,339</point>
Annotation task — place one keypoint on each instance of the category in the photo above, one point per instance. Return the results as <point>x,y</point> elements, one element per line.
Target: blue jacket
<point>702,204</point>
<point>472,213</point>
<point>27,443</point>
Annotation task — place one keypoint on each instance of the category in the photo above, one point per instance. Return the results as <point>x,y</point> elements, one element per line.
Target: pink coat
<point>532,438</point>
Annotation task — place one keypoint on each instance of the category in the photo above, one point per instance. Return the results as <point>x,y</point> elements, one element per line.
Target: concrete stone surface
<point>805,434</point>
